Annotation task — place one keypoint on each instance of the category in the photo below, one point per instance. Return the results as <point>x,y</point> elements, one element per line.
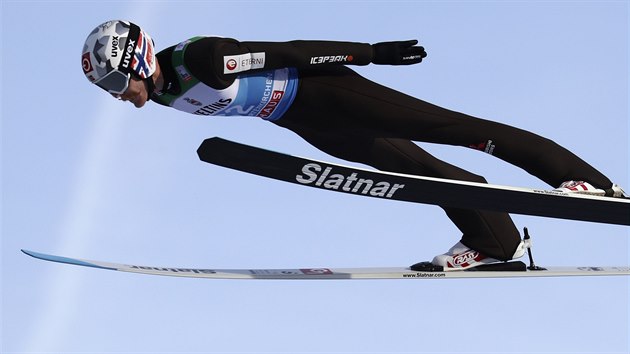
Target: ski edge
<point>329,273</point>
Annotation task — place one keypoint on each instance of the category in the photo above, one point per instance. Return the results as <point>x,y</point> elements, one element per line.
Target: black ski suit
<point>355,119</point>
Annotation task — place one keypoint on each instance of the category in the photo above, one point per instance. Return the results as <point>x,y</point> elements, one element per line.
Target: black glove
<point>398,53</point>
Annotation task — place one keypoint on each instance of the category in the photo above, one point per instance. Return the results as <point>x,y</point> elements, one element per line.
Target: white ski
<point>331,273</point>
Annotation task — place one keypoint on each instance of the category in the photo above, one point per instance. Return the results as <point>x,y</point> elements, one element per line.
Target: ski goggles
<point>115,82</point>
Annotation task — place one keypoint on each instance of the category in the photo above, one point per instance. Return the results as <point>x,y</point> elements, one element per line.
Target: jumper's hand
<point>398,53</point>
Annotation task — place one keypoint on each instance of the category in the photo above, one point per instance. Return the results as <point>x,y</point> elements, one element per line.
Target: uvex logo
<point>114,46</point>
<point>131,44</point>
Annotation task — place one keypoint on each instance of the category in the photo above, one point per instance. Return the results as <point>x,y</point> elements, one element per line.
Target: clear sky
<point>86,176</point>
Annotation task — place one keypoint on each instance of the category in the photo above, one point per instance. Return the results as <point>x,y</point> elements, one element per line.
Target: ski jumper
<point>314,94</point>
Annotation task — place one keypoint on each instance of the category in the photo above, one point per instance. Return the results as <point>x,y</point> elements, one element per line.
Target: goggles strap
<point>129,50</point>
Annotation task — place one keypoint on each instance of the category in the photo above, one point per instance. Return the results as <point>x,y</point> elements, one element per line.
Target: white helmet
<point>114,51</point>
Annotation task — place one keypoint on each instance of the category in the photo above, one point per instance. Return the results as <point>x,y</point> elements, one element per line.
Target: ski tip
<point>42,256</point>
<point>65,260</point>
<point>214,140</point>
<point>29,253</point>
<point>207,146</point>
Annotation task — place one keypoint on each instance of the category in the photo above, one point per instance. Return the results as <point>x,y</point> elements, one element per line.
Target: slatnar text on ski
<point>352,183</point>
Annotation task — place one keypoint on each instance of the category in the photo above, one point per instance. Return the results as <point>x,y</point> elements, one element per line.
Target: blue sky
<point>86,176</point>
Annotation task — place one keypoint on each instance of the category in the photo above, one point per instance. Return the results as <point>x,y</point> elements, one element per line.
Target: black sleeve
<point>216,61</point>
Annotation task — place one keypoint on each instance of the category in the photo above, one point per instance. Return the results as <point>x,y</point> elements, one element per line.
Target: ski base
<point>332,273</point>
